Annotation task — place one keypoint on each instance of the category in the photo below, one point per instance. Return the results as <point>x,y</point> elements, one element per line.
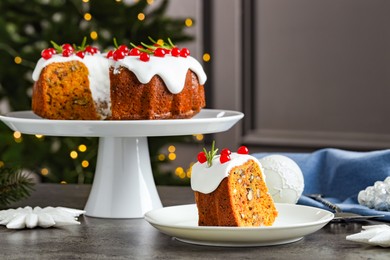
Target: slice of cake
<point>230,190</point>
<point>72,87</point>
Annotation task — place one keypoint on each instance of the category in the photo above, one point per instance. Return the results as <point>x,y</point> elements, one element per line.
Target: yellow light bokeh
<point>160,41</point>
<point>85,164</point>
<point>39,136</point>
<point>93,35</point>
<point>206,57</point>
<point>150,2</point>
<point>161,157</point>
<point>44,171</point>
<point>63,182</point>
<point>172,156</point>
<point>199,137</point>
<point>179,170</point>
<point>182,175</point>
<point>17,134</point>
<point>2,164</point>
<point>188,22</point>
<point>85,1</point>
<point>17,137</point>
<point>18,60</point>
<point>82,148</point>
<point>141,16</point>
<point>171,149</point>
<point>73,154</point>
<point>87,16</point>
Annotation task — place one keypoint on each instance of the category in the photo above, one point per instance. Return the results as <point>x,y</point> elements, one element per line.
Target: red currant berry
<point>110,54</point>
<point>118,54</point>
<point>159,52</point>
<point>46,54</point>
<point>68,47</point>
<point>202,157</point>
<point>243,150</point>
<point>184,52</point>
<point>175,52</point>
<point>123,48</point>
<point>134,52</point>
<point>91,50</point>
<point>52,50</point>
<point>167,51</point>
<point>226,151</point>
<point>81,54</point>
<point>224,158</point>
<point>144,57</point>
<point>67,52</point>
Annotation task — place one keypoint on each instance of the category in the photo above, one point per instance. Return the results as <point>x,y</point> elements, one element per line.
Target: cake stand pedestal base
<point>123,185</point>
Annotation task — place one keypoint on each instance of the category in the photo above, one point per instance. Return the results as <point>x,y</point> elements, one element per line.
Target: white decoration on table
<point>376,196</point>
<point>377,235</point>
<point>29,217</point>
<point>283,177</point>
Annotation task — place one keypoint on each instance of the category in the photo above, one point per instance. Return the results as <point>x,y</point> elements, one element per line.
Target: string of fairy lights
<point>171,151</point>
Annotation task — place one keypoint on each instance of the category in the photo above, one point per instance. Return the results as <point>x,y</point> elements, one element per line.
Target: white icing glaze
<point>171,69</point>
<point>99,81</point>
<point>284,178</point>
<point>206,179</point>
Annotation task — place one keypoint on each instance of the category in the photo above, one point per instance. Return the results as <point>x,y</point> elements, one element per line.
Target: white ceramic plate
<point>207,121</point>
<point>292,224</point>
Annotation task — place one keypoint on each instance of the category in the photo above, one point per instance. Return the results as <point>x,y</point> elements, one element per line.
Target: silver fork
<point>339,214</point>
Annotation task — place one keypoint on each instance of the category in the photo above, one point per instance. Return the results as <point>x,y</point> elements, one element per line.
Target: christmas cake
<point>158,81</point>
<point>230,190</point>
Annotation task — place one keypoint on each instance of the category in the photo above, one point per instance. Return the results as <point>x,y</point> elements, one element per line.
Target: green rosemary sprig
<point>210,154</point>
<point>149,48</point>
<point>81,47</point>
<point>57,47</point>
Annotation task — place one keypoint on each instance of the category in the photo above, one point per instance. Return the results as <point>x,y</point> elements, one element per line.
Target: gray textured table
<point>99,238</point>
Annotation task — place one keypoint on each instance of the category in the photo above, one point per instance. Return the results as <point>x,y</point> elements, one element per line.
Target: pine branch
<point>14,186</point>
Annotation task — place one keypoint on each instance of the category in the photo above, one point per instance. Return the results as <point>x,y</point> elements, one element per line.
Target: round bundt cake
<point>158,82</point>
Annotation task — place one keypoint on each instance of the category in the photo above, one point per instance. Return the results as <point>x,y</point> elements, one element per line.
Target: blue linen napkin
<point>339,175</point>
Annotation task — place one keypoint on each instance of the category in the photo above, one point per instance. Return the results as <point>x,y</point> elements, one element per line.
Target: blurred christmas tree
<point>27,27</point>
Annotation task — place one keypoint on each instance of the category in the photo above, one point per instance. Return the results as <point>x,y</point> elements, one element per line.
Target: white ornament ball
<point>283,177</point>
<point>376,196</point>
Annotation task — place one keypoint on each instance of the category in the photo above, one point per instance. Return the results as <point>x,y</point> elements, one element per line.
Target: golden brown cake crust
<point>132,100</point>
<point>241,199</point>
<point>62,92</point>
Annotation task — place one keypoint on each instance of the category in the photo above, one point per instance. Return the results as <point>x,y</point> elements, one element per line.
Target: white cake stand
<point>123,185</point>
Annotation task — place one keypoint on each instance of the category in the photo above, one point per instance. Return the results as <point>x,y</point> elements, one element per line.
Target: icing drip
<point>171,69</point>
<point>206,179</point>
